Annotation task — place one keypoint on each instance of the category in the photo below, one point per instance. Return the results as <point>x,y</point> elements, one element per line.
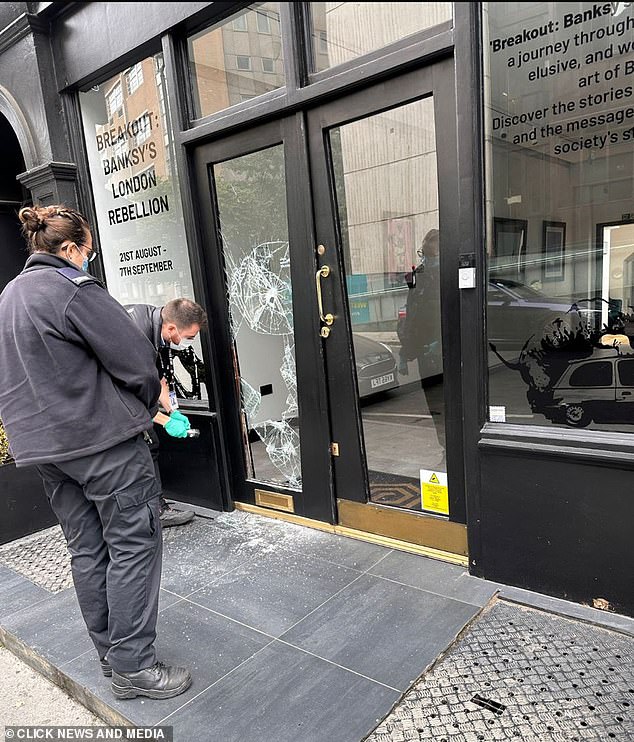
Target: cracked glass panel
<point>251,193</point>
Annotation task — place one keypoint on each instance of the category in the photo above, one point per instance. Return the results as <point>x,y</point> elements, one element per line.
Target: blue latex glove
<point>179,416</point>
<point>176,428</point>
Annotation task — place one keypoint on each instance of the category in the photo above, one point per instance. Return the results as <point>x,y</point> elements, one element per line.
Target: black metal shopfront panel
<point>24,508</point>
<point>190,468</point>
<point>559,527</point>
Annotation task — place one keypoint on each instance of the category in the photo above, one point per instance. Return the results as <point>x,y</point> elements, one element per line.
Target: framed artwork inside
<point>509,248</point>
<point>553,251</point>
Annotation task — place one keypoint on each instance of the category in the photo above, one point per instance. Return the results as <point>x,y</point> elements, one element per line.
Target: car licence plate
<point>381,380</point>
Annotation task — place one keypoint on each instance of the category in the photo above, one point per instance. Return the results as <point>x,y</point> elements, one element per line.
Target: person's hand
<point>176,428</point>
<point>179,416</point>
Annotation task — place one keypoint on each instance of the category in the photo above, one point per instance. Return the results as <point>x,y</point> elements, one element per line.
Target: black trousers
<point>108,507</point>
<point>154,452</point>
<point>154,446</point>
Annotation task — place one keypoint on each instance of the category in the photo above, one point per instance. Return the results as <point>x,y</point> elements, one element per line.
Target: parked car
<point>516,312</point>
<point>376,366</point>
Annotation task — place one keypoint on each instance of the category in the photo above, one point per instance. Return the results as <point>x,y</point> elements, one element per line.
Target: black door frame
<point>436,79</point>
<point>315,499</point>
<point>309,192</point>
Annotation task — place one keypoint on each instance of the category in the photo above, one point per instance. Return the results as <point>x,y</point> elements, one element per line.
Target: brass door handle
<point>328,318</point>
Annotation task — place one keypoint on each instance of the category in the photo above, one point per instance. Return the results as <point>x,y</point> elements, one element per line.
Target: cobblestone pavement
<point>518,673</point>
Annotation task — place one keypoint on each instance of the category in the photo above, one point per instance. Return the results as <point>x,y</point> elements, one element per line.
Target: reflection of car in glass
<point>376,366</point>
<point>599,388</point>
<point>516,312</point>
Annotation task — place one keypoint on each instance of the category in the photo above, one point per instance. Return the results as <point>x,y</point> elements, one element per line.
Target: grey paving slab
<point>53,627</point>
<point>274,591</point>
<point>386,631</point>
<point>187,635</point>
<point>16,593</point>
<point>166,599</point>
<point>284,695</point>
<point>445,579</point>
<point>272,535</point>
<point>200,553</point>
<point>347,552</point>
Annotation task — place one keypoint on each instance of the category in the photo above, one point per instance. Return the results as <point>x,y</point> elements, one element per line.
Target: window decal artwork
<point>577,372</point>
<point>559,222</point>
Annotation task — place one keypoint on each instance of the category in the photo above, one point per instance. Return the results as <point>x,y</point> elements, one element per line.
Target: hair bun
<point>32,219</point>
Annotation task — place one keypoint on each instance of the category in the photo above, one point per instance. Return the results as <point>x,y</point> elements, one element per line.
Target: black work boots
<point>171,517</point>
<point>158,681</point>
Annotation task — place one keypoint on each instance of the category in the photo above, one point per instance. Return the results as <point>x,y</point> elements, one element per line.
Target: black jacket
<point>77,375</point>
<point>148,319</point>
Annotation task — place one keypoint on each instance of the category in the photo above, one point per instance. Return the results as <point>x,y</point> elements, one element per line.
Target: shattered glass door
<point>251,197</point>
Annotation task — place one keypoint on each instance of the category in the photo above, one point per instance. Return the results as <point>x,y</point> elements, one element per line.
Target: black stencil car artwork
<point>581,371</point>
<point>600,388</point>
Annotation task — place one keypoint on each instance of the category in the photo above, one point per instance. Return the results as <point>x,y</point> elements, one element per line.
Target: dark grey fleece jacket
<point>76,375</point>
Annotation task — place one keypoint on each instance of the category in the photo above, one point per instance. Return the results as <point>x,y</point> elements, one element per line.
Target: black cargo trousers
<point>108,507</point>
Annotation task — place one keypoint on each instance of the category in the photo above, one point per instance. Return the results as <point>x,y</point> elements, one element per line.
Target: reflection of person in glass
<point>420,334</point>
<point>421,338</point>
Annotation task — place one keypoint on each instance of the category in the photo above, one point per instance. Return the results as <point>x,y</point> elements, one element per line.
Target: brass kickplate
<point>274,500</point>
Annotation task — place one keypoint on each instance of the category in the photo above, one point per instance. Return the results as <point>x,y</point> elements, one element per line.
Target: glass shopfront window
<point>129,143</point>
<point>237,60</point>
<point>344,31</point>
<point>559,146</point>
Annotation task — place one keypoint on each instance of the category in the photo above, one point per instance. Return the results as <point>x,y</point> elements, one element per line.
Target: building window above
<point>115,101</point>
<point>243,62</point>
<point>134,78</point>
<point>145,128</point>
<point>345,31</point>
<point>263,23</point>
<point>220,59</point>
<point>240,23</point>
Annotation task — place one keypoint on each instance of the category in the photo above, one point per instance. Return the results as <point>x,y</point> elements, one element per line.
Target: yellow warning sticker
<point>434,491</point>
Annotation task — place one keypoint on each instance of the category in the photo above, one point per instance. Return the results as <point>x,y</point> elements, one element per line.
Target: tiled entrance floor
<point>290,633</point>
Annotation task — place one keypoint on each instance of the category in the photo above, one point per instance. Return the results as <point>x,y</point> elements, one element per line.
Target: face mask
<point>84,265</point>
<point>183,345</point>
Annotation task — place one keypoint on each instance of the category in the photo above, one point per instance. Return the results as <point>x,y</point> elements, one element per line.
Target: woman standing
<point>79,388</point>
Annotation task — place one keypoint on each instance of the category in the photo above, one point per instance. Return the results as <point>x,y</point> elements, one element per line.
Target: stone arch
<point>10,109</point>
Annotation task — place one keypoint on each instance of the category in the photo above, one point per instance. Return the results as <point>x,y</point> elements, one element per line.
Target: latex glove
<point>176,428</point>
<point>179,416</point>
